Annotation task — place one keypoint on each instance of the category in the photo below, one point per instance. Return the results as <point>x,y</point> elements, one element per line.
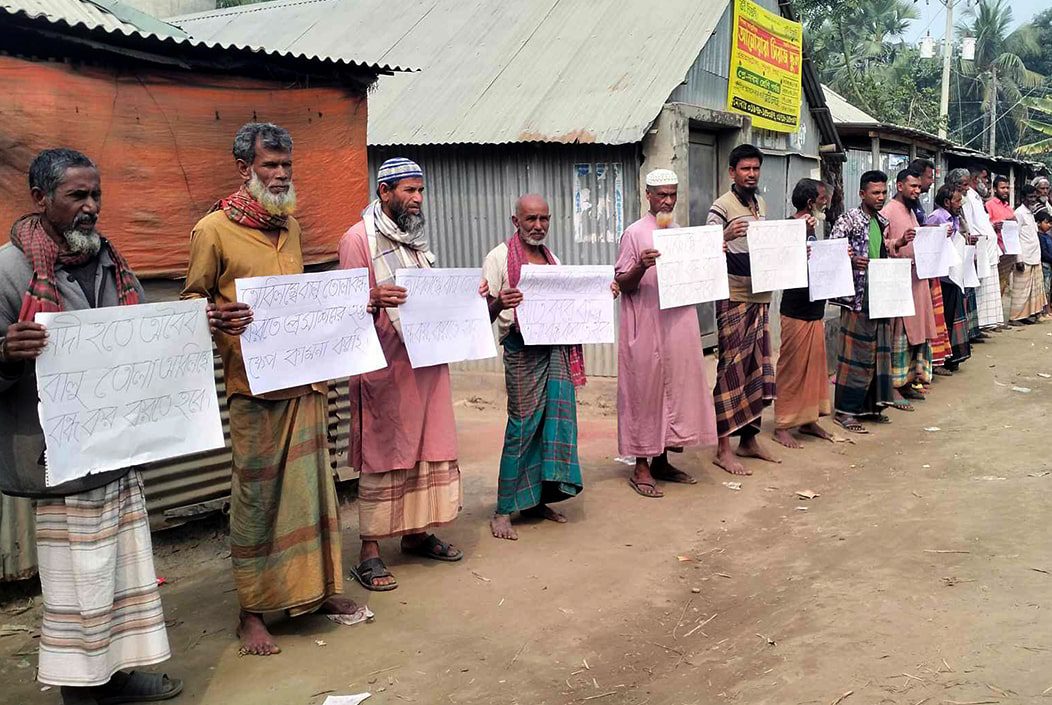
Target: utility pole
<point>947,57</point>
<point>993,111</point>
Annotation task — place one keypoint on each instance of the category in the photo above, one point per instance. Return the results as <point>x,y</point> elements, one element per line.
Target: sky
<point>933,16</point>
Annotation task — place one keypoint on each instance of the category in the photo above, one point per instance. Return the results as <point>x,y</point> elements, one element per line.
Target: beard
<point>980,188</point>
<point>410,223</point>
<point>273,203</point>
<point>80,242</point>
<point>663,218</point>
<point>533,241</point>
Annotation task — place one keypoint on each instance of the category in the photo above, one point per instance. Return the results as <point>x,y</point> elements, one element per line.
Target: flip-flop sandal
<point>879,419</point>
<point>676,476</point>
<point>851,426</point>
<point>911,394</point>
<point>369,570</point>
<point>655,493</point>
<point>942,372</point>
<point>143,687</point>
<point>902,406</point>
<point>431,547</point>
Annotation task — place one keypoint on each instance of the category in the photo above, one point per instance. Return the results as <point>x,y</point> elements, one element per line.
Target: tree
<point>1043,126</point>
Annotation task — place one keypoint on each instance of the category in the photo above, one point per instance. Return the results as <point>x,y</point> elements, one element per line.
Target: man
<point>960,180</point>
<point>940,346</point>
<point>404,436</point>
<point>102,609</point>
<point>744,374</point>
<point>1028,295</point>
<point>284,528</point>
<point>802,377</point>
<point>911,351</point>
<point>863,375</point>
<point>1041,183</point>
<point>987,254</point>
<point>947,213</point>
<point>1044,226</point>
<point>539,464</point>
<point>999,210</point>
<point>664,401</point>
<point>925,170</point>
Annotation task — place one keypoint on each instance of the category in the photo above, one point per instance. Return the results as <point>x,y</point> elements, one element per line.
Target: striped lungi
<point>953,300</point>
<point>940,347</point>
<point>744,374</point>
<point>863,374</point>
<point>410,501</point>
<point>1046,269</point>
<point>909,363</point>
<point>971,309</point>
<point>284,529</point>
<point>1028,294</point>
<point>988,302</point>
<point>102,609</point>
<point>802,375</point>
<point>539,462</point>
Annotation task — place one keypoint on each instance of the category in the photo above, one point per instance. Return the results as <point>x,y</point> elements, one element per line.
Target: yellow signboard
<point>766,54</point>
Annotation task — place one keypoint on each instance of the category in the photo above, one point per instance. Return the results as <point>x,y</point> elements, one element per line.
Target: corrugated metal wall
<point>470,196</point>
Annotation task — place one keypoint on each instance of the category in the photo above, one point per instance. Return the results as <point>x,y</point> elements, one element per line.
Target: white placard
<point>444,319</point>
<point>982,260</point>
<point>932,252</point>
<point>308,328</point>
<point>566,305</point>
<point>126,385</point>
<point>778,254</point>
<point>692,268</point>
<point>1010,237</point>
<point>829,272</point>
<point>957,269</point>
<point>890,288</point>
<point>971,278</point>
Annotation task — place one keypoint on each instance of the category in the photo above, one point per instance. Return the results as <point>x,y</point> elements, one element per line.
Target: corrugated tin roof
<point>114,18</point>
<point>845,112</point>
<point>494,71</point>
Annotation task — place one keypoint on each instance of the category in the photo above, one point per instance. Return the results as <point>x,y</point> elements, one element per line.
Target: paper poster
<point>829,271</point>
<point>566,305</point>
<point>971,278</point>
<point>766,56</point>
<point>956,274</point>
<point>778,254</point>
<point>692,268</point>
<point>1010,237</point>
<point>308,328</point>
<point>444,319</point>
<point>890,288</point>
<point>982,259</point>
<point>932,252</point>
<point>125,385</point>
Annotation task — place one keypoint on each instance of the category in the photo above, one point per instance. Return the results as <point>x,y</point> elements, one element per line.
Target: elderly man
<point>987,254</point>
<point>284,527</point>
<point>102,609</point>
<point>1028,293</point>
<point>664,401</point>
<point>863,375</point>
<point>910,350</point>
<point>744,375</point>
<point>1041,183</point>
<point>539,464</point>
<point>961,181</point>
<point>403,438</point>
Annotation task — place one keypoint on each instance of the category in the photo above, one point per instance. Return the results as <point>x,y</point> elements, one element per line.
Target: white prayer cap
<point>662,177</point>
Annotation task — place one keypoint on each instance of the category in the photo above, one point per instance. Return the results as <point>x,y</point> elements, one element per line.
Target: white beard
<point>275,204</point>
<point>82,243</point>
<point>532,241</point>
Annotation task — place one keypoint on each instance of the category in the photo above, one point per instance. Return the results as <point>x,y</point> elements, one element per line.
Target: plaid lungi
<point>863,374</point>
<point>956,321</point>
<point>102,609</point>
<point>971,308</point>
<point>940,347</point>
<point>909,363</point>
<point>1028,294</point>
<point>408,501</point>
<point>744,374</point>
<point>539,462</point>
<point>989,305</point>
<point>285,537</point>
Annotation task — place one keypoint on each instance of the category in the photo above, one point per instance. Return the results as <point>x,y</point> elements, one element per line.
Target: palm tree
<point>998,72</point>
<point>1041,146</point>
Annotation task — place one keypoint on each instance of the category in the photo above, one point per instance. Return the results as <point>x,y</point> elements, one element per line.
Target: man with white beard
<point>102,609</point>
<point>284,528</point>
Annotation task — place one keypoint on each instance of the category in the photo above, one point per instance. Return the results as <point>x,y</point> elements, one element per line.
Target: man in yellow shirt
<point>284,528</point>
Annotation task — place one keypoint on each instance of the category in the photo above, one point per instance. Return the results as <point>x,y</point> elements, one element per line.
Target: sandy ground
<point>921,573</point>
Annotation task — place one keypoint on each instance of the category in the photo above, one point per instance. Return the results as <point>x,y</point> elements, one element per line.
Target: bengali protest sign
<point>444,319</point>
<point>692,268</point>
<point>566,305</point>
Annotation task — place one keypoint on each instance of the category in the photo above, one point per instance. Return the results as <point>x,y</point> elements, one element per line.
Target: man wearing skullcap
<point>664,401</point>
<point>284,527</point>
<point>744,375</point>
<point>403,434</point>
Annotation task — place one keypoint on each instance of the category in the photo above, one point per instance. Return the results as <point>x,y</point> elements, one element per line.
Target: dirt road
<point>921,573</point>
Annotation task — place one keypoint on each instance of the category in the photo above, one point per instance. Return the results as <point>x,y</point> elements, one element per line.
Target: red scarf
<point>517,258</point>
<point>44,254</point>
<point>245,210</point>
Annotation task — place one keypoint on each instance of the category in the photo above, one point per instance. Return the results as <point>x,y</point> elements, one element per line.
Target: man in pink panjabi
<point>664,400</point>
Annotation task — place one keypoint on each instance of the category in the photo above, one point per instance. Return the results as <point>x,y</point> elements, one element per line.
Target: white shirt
<point>974,211</point>
<point>1029,242</point>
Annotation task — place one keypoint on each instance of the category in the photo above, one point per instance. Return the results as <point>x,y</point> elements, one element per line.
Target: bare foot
<point>501,527</point>
<point>750,448</point>
<point>255,639</point>
<point>727,461</point>
<point>543,511</point>
<point>338,605</point>
<point>783,436</point>
<point>371,549</point>
<point>813,429</point>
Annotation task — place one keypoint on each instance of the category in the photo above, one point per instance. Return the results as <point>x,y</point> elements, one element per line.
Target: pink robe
<point>664,399</point>
<point>399,416</point>
<point>920,327</point>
